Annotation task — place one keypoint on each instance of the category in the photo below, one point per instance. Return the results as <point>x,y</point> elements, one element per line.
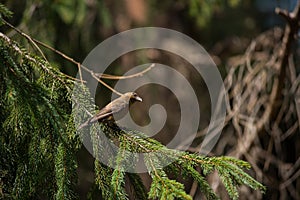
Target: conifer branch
<point>229,169</point>
<point>97,76</point>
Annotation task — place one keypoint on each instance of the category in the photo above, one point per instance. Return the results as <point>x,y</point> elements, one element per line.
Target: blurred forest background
<point>244,38</point>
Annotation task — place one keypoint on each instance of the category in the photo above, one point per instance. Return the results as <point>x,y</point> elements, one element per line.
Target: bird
<point>113,107</point>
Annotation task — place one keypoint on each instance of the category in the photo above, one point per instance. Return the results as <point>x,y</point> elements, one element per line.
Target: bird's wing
<point>113,107</point>
<point>104,112</point>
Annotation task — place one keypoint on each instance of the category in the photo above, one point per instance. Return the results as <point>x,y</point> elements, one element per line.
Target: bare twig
<point>114,77</point>
<point>27,37</point>
<point>260,102</point>
<point>97,76</point>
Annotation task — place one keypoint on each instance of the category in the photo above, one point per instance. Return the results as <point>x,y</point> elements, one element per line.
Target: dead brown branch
<point>263,104</point>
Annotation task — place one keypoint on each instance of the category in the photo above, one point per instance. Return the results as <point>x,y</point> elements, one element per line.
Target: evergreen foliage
<point>39,142</point>
<point>4,12</point>
<point>35,138</point>
<point>229,169</point>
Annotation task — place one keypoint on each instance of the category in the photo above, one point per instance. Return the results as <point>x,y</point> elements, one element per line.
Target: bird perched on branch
<point>113,107</point>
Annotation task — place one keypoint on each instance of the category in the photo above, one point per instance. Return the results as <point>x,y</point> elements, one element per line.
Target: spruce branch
<point>137,187</point>
<point>35,126</point>
<point>4,12</point>
<point>96,76</point>
<point>229,169</point>
<point>103,177</point>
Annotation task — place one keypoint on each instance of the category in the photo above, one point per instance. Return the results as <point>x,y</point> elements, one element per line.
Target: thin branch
<point>97,76</point>
<point>106,85</point>
<point>289,37</point>
<point>27,37</point>
<point>114,77</point>
<point>31,59</point>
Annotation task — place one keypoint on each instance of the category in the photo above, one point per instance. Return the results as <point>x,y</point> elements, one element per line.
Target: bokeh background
<point>225,29</point>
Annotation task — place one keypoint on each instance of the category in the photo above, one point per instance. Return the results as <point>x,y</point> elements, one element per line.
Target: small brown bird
<point>113,107</point>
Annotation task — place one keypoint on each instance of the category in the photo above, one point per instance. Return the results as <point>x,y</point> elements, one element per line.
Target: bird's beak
<point>139,99</point>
